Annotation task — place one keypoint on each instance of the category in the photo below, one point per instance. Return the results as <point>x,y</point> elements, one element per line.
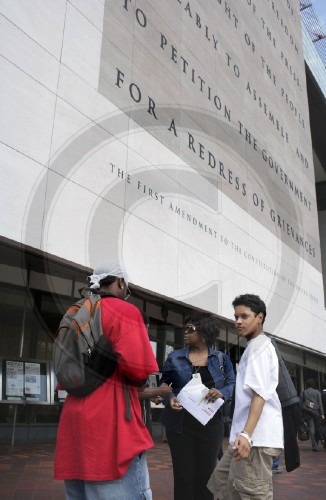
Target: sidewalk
<point>26,474</point>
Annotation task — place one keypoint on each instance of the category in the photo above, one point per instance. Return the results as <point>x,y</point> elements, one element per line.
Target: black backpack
<point>291,413</point>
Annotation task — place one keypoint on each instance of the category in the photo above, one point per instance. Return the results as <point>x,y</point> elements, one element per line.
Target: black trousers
<point>194,455</point>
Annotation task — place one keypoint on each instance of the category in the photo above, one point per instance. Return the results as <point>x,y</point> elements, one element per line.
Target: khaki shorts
<point>246,479</point>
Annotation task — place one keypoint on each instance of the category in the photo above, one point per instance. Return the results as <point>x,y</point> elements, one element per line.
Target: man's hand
<point>161,392</point>
<point>164,390</point>
<point>175,405</point>
<point>157,400</point>
<point>242,448</point>
<point>155,394</point>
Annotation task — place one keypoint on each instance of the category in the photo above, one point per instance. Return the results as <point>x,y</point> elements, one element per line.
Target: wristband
<point>247,437</point>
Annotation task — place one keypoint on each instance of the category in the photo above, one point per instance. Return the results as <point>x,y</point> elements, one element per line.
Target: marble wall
<point>173,136</point>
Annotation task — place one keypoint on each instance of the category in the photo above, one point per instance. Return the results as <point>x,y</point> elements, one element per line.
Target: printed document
<point>192,398</point>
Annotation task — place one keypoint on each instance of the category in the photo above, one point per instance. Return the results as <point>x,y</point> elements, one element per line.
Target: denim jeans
<point>134,485</point>
<point>312,426</point>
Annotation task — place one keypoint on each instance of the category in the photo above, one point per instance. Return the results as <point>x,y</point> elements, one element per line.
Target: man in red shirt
<point>102,439</point>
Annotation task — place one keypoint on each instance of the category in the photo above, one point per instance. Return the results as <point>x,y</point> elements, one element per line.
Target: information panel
<point>24,381</point>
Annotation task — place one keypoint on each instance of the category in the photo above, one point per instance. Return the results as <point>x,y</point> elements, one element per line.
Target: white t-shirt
<point>258,372</point>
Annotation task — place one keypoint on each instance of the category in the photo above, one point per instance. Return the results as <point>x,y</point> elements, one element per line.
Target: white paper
<point>14,378</point>
<point>192,398</point>
<point>32,378</point>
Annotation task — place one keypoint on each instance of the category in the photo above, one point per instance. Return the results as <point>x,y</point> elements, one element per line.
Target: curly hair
<point>253,302</point>
<point>207,324</point>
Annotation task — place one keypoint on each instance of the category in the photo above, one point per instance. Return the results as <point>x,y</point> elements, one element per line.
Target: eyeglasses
<point>190,329</point>
<point>128,293</point>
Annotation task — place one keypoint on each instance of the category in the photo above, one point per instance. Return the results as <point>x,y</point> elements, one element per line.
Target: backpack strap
<point>127,397</point>
<point>286,390</point>
<point>126,389</point>
<point>221,363</point>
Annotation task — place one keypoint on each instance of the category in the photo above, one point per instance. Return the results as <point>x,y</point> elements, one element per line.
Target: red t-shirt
<point>95,441</point>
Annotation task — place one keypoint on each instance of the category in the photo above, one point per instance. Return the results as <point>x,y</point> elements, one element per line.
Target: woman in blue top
<point>194,447</point>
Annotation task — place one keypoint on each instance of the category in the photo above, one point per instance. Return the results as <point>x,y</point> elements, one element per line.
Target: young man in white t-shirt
<point>256,436</point>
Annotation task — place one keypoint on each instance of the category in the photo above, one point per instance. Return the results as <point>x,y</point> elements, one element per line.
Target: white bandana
<point>104,270</point>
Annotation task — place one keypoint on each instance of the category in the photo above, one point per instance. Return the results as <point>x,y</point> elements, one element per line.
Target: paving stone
<point>26,474</point>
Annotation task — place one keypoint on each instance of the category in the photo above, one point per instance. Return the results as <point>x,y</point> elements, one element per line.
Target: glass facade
<point>313,60</point>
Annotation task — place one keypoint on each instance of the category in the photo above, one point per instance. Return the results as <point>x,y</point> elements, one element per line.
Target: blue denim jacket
<point>177,371</point>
